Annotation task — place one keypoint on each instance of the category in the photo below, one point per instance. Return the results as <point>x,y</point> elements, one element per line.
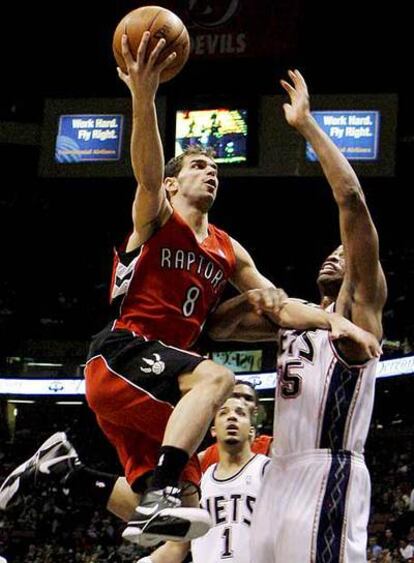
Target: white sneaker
<point>159,517</point>
<point>55,456</point>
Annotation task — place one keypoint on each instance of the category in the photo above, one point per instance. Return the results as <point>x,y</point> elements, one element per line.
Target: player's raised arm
<point>363,292</point>
<point>147,155</point>
<point>142,79</point>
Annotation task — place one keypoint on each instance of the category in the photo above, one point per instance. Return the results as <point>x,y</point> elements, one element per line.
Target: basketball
<point>161,23</point>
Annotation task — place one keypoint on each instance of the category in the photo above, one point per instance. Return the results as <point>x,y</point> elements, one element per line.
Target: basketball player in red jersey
<point>166,280</point>
<point>261,444</point>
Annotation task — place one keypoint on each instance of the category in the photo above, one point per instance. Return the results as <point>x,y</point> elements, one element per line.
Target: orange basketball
<point>161,23</point>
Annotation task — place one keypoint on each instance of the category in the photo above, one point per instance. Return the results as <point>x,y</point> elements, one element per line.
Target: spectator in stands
<point>406,549</point>
<point>374,549</point>
<point>389,541</point>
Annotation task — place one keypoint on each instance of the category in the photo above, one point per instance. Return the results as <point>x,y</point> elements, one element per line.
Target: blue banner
<point>355,133</point>
<point>89,138</point>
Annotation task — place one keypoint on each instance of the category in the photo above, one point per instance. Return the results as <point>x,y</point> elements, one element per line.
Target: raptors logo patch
<point>156,365</point>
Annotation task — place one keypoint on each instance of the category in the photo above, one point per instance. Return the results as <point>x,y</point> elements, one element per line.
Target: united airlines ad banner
<point>88,137</point>
<point>355,133</point>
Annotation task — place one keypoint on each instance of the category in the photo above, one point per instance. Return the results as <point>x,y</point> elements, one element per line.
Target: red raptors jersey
<point>260,445</point>
<point>172,282</point>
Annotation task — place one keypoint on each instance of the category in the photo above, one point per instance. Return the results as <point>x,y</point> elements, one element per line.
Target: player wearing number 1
<point>229,489</point>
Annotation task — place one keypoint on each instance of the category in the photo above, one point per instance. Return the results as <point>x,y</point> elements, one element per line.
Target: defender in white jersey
<point>229,490</point>
<point>314,502</point>
<point>318,487</point>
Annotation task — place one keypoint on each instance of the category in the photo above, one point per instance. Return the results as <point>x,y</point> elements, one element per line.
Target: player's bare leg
<point>123,500</point>
<point>203,390</point>
<point>160,515</point>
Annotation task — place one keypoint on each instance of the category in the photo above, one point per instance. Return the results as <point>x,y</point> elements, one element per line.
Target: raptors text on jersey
<point>166,288</point>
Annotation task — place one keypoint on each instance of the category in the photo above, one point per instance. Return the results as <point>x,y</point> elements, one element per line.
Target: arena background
<point>57,233</point>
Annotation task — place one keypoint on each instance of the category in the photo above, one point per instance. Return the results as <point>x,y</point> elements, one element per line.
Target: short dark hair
<point>174,165</point>
<point>249,384</point>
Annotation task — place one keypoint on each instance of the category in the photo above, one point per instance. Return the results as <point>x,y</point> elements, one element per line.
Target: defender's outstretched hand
<point>298,111</point>
<point>342,328</point>
<point>143,71</point>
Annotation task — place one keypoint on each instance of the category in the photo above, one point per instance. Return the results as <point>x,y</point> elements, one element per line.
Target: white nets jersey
<point>230,503</point>
<point>321,401</point>
<point>314,501</point>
